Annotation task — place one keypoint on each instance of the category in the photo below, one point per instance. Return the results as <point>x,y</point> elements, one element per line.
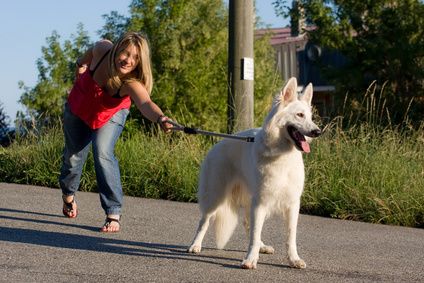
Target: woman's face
<point>127,60</point>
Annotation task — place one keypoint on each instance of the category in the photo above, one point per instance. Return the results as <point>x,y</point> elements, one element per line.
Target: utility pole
<point>240,66</point>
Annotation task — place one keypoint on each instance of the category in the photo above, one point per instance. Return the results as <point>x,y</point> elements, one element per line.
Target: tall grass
<point>35,159</point>
<point>362,168</point>
<point>152,164</point>
<point>367,174</point>
<point>157,165</point>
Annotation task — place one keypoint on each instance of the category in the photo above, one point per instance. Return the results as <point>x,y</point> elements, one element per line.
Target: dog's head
<point>291,116</point>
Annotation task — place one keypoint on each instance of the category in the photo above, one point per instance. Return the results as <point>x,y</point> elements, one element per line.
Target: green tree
<point>115,26</point>
<point>4,121</point>
<point>189,42</point>
<point>189,47</point>
<point>45,101</point>
<point>6,135</point>
<point>383,41</point>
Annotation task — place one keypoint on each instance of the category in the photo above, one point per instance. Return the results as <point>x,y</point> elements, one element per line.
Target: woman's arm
<point>147,107</point>
<point>81,64</point>
<point>94,53</point>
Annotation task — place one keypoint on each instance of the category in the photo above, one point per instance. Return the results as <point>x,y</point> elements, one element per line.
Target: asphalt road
<point>38,244</point>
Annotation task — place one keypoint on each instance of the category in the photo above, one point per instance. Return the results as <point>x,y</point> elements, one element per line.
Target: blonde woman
<point>109,76</point>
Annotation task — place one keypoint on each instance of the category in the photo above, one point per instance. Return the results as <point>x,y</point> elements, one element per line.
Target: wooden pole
<point>240,66</point>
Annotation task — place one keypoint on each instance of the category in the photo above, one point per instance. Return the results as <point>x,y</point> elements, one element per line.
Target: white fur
<point>262,177</point>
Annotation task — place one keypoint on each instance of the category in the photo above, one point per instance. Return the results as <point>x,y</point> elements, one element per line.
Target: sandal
<point>108,222</point>
<point>69,205</point>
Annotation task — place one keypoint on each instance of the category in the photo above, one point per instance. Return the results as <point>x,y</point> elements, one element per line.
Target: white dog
<point>262,177</point>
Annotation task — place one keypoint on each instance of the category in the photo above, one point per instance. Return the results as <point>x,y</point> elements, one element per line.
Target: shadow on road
<point>102,244</point>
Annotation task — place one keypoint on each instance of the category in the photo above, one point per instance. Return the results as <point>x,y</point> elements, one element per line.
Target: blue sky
<point>25,25</point>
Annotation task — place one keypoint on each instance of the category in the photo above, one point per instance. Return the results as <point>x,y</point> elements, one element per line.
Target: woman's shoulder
<point>102,47</point>
<point>134,87</point>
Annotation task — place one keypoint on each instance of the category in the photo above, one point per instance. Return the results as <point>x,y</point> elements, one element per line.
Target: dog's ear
<point>289,91</point>
<point>307,94</point>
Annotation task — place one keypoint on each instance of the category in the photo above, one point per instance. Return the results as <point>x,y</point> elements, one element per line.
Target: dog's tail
<point>225,222</point>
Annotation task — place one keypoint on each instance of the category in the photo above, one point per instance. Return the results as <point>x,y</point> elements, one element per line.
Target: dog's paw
<point>300,264</point>
<point>266,250</point>
<point>194,249</point>
<point>249,264</point>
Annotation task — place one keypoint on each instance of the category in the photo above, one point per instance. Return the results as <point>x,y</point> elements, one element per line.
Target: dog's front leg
<point>291,217</point>
<point>257,218</point>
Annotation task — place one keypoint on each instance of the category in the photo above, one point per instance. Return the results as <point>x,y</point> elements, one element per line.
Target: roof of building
<point>282,35</point>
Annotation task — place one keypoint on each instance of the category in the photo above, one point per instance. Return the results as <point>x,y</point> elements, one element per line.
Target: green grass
<point>358,170</point>
<point>152,164</point>
<point>156,165</point>
<point>367,174</point>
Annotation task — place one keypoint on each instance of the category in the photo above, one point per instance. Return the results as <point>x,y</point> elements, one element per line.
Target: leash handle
<point>194,131</point>
<point>177,127</point>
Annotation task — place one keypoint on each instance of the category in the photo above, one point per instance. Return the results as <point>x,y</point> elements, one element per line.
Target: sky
<point>25,25</point>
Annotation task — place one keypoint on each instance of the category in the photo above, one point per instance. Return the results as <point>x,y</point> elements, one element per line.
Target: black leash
<point>194,131</point>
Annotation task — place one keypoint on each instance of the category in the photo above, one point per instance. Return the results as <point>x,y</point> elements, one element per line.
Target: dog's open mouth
<point>299,139</point>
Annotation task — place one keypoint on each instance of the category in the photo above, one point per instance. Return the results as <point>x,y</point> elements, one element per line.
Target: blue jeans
<point>78,139</point>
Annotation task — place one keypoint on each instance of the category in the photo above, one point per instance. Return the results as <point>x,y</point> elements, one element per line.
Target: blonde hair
<point>142,71</point>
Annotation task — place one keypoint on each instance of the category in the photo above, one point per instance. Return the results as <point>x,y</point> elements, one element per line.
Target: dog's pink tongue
<point>305,146</point>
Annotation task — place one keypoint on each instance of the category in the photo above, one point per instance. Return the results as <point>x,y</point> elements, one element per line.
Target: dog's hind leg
<point>266,249</point>
<point>291,215</point>
<point>196,246</point>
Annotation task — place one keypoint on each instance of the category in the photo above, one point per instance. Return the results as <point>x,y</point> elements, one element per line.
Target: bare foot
<point>112,224</point>
<point>69,206</point>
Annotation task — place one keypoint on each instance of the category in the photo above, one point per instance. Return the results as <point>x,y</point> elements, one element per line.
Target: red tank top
<point>93,105</point>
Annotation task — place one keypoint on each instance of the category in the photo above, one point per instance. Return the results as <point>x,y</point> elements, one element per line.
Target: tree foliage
<point>382,41</point>
<point>45,101</point>
<point>189,42</point>
<point>6,135</point>
<point>115,26</point>
<point>4,121</point>
<point>189,54</point>
<point>189,50</point>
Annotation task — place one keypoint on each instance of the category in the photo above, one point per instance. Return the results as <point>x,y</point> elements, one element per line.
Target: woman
<point>95,113</point>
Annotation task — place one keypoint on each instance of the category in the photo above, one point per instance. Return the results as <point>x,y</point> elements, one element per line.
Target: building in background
<point>298,57</point>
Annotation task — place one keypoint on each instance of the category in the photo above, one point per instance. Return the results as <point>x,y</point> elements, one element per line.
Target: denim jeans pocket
<point>120,117</point>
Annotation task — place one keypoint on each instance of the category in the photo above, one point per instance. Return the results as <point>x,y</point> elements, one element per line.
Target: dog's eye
<point>300,115</point>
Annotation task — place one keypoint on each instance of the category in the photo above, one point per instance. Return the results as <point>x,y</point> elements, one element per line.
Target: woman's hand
<point>166,127</point>
<point>80,70</point>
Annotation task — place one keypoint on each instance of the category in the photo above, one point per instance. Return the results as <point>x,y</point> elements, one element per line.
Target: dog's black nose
<point>316,133</point>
